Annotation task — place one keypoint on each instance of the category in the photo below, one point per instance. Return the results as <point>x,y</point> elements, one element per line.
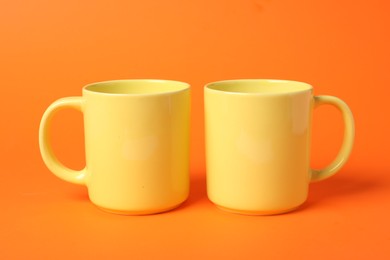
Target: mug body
<point>137,144</point>
<point>258,144</point>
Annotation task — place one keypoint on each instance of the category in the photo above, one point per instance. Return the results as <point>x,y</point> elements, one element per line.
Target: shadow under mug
<point>136,144</point>
<point>258,144</point>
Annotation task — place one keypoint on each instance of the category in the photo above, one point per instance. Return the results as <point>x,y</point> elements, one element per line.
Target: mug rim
<point>221,85</point>
<point>93,88</point>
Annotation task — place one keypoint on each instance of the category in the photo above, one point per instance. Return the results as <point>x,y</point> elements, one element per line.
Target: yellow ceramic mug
<point>258,144</point>
<point>136,142</point>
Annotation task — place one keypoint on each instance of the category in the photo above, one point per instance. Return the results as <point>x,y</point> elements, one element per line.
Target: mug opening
<point>137,87</point>
<point>259,86</point>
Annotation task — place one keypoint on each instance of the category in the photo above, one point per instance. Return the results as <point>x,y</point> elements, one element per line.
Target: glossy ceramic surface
<point>258,144</point>
<point>137,144</point>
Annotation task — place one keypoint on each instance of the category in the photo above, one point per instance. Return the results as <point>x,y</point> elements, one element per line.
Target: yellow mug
<point>136,144</point>
<point>258,144</point>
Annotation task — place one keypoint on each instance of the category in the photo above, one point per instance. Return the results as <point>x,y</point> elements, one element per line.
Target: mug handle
<point>48,156</point>
<point>349,135</point>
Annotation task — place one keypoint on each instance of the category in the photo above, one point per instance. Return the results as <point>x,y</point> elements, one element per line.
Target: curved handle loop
<point>48,156</point>
<point>349,135</point>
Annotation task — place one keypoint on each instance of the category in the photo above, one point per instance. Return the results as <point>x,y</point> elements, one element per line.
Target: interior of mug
<point>260,86</point>
<point>137,86</point>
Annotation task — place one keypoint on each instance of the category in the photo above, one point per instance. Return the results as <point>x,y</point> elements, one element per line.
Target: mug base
<point>138,213</point>
<point>255,212</point>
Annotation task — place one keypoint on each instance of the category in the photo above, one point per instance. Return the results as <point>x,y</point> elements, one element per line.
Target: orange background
<point>51,49</point>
